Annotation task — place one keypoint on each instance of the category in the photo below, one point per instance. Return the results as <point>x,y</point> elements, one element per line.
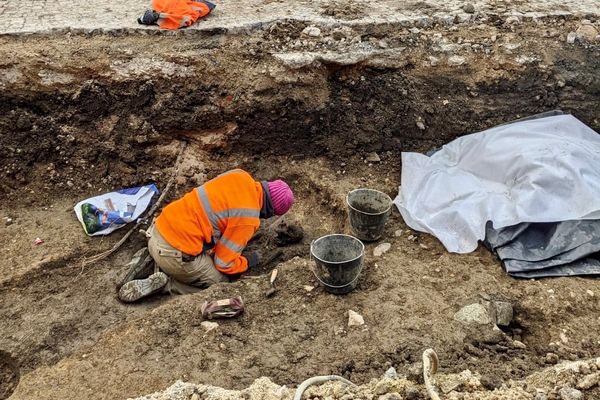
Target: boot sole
<point>142,268</point>
<point>140,288</point>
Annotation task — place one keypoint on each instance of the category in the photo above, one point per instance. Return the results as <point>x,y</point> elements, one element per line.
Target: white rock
<point>373,157</point>
<point>451,382</point>
<point>571,37</point>
<point>522,59</point>
<point>568,393</point>
<point>511,46</point>
<point>382,44</point>
<point>517,344</point>
<point>391,373</point>
<point>308,288</point>
<point>473,313</point>
<point>398,233</point>
<point>586,33</point>
<point>420,125</point>
<point>433,61</point>
<point>564,338</point>
<point>456,61</point>
<point>209,325</point>
<point>589,381</point>
<point>504,312</point>
<point>312,31</point>
<point>590,293</point>
<point>513,19</point>
<point>355,319</point>
<point>381,249</point>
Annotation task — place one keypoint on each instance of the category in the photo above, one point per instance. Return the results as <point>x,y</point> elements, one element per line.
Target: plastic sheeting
<point>103,214</point>
<point>536,250</point>
<point>533,171</point>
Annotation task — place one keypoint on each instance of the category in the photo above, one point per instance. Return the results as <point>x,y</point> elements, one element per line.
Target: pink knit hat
<point>282,196</point>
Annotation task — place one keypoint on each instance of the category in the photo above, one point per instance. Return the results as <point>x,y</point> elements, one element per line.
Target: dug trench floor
<point>82,115</point>
<point>73,339</point>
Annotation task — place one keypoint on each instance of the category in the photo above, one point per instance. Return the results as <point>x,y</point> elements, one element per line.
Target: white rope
<point>315,380</point>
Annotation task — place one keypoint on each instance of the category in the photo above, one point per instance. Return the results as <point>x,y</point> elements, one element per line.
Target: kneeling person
<point>198,240</point>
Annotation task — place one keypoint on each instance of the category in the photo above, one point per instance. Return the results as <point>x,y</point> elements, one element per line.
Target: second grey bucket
<point>368,210</point>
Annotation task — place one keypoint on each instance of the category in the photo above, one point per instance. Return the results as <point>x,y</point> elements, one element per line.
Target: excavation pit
<point>93,113</point>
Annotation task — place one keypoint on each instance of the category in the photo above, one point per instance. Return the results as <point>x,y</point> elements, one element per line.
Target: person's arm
<point>228,250</point>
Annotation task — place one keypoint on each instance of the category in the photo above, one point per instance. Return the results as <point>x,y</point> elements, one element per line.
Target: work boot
<point>140,288</point>
<point>141,266</point>
<point>149,17</point>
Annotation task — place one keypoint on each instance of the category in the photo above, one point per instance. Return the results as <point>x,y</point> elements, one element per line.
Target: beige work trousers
<point>184,277</point>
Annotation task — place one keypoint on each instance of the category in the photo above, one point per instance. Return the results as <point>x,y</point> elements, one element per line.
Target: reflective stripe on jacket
<point>174,14</point>
<point>224,211</point>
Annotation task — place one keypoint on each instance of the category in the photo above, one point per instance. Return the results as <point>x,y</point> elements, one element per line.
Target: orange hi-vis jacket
<point>175,14</point>
<point>224,211</point>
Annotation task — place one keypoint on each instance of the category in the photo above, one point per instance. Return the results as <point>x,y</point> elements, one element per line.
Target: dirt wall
<point>96,108</point>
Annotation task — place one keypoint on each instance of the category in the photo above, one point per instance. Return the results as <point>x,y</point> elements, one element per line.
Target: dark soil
<point>9,375</point>
<point>99,134</point>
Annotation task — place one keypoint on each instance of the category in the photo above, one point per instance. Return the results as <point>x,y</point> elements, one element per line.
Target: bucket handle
<point>362,264</point>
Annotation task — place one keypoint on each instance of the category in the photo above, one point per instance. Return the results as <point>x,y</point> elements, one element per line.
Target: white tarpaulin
<point>540,170</point>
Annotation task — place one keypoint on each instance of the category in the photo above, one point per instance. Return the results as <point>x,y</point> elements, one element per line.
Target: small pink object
<point>38,241</point>
<point>226,308</point>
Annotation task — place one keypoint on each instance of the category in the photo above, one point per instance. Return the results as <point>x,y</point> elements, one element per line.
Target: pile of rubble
<point>566,381</point>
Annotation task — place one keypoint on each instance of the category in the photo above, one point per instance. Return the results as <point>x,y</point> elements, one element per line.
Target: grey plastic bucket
<point>338,262</point>
<point>368,210</point>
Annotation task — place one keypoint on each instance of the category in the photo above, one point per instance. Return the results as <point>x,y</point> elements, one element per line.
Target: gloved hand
<point>253,258</point>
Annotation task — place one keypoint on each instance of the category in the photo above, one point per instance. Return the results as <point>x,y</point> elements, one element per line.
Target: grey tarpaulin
<point>535,250</point>
<point>530,188</point>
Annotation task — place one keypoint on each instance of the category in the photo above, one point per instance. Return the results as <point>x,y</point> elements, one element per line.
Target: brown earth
<point>82,115</point>
<point>9,375</point>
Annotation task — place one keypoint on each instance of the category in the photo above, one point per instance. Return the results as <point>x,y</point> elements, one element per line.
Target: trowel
<point>272,288</point>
